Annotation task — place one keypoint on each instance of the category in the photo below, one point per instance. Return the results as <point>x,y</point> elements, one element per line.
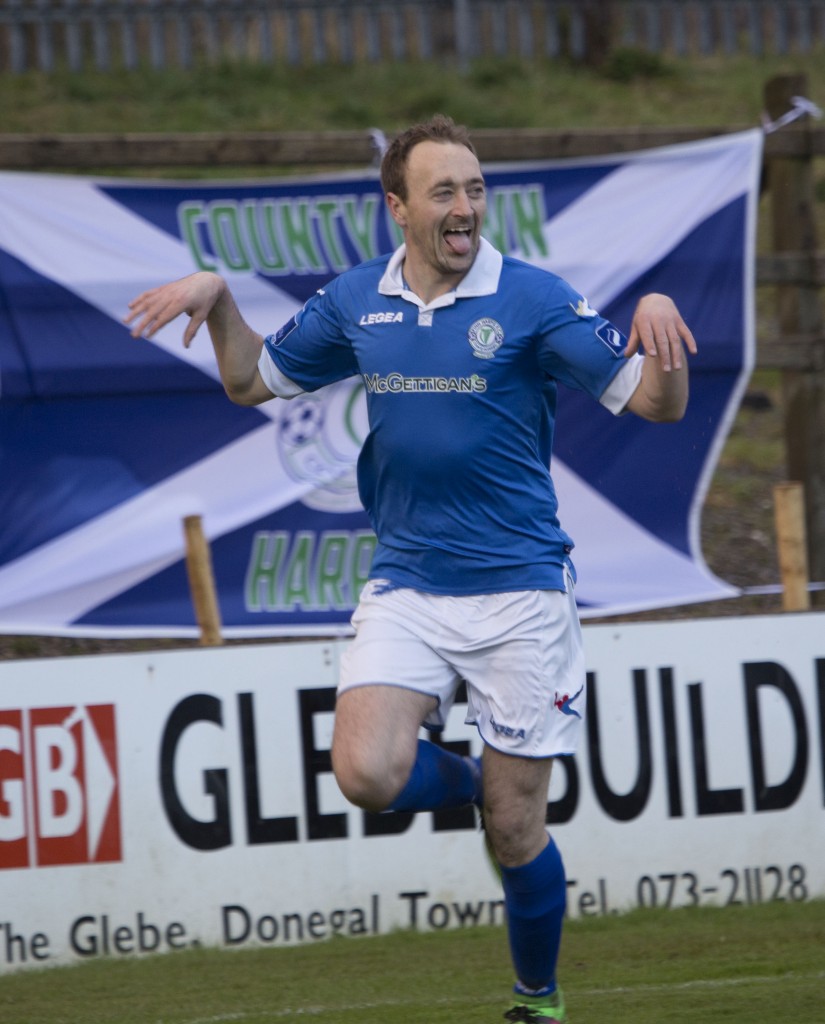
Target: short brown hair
<point>439,128</point>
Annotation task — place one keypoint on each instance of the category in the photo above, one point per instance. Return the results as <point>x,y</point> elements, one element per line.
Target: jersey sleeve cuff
<point>617,393</point>
<point>278,383</point>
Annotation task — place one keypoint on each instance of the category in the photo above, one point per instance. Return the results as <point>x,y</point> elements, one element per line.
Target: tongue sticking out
<point>458,242</point>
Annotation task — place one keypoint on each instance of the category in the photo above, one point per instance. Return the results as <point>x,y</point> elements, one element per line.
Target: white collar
<point>481,279</point>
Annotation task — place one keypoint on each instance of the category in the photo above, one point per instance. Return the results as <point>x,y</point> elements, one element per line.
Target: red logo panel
<point>59,792</point>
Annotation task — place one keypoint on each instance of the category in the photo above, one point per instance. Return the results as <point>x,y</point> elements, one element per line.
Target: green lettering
<point>261,587</point>
<point>280,574</point>
<point>224,223</point>
<point>361,229</point>
<point>189,215</point>
<point>327,210</point>
<point>356,395</point>
<point>260,229</point>
<point>515,220</point>
<point>330,566</point>
<point>296,232</point>
<point>296,584</point>
<point>495,225</point>
<point>528,221</point>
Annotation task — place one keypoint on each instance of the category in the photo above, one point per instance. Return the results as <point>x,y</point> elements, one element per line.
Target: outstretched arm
<point>205,298</point>
<point>659,330</point>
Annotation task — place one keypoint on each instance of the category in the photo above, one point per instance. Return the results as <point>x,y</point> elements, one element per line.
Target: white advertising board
<point>151,802</point>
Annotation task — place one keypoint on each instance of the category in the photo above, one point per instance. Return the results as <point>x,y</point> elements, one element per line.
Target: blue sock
<point>535,896</point>
<point>438,779</point>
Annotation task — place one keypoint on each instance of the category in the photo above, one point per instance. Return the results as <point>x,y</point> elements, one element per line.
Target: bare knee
<point>515,811</point>
<point>365,779</point>
<point>516,833</point>
<point>374,744</point>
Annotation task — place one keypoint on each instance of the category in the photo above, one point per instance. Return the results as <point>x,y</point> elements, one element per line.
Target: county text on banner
<point>107,443</point>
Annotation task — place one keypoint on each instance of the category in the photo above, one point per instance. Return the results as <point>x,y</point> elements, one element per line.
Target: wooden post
<point>202,582</point>
<point>791,183</point>
<point>789,510</point>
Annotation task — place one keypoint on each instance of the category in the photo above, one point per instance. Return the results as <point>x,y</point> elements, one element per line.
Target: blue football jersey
<point>461,396</point>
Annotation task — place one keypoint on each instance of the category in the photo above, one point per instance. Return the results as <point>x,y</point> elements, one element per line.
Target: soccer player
<point>461,350</point>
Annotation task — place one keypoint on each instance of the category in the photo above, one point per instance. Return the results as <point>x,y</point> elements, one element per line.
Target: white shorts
<point>520,654</point>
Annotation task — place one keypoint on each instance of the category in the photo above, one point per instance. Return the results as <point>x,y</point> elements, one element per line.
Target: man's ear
<point>397,209</point>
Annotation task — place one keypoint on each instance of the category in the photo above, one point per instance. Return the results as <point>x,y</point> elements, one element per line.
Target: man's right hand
<point>195,295</point>
<point>205,296</point>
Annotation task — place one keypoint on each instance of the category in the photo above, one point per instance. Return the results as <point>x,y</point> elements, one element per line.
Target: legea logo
<point>59,795</point>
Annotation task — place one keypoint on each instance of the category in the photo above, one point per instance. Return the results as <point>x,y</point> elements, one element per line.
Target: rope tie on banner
<point>775,588</point>
<point>800,106</point>
<point>379,141</point>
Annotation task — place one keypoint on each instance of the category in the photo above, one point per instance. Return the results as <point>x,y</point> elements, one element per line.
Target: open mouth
<point>458,240</point>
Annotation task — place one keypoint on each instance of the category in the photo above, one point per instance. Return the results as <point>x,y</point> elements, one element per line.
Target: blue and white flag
<point>107,443</point>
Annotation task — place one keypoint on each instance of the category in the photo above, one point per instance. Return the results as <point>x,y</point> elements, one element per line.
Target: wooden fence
<point>108,34</point>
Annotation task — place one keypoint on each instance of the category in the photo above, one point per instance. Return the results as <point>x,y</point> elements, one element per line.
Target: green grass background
<point>632,89</point>
<point>738,965</point>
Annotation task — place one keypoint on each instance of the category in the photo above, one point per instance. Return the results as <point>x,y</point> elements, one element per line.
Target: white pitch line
<point>700,983</point>
<point>703,983</point>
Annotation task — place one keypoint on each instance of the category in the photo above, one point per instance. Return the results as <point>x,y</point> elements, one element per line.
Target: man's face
<point>443,213</point>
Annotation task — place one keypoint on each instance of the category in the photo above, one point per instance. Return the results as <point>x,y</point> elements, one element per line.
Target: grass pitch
<point>735,965</point>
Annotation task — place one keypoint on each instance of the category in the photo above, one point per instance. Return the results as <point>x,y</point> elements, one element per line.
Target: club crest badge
<point>485,337</point>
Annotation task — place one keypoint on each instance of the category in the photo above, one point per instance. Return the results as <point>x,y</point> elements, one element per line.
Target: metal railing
<point>47,35</point>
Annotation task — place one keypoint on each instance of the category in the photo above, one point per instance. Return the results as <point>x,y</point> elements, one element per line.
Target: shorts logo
<point>565,703</point>
<point>485,337</point>
<point>508,730</point>
<point>59,800</point>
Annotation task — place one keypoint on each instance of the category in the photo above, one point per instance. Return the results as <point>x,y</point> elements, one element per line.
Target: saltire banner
<point>107,443</point>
